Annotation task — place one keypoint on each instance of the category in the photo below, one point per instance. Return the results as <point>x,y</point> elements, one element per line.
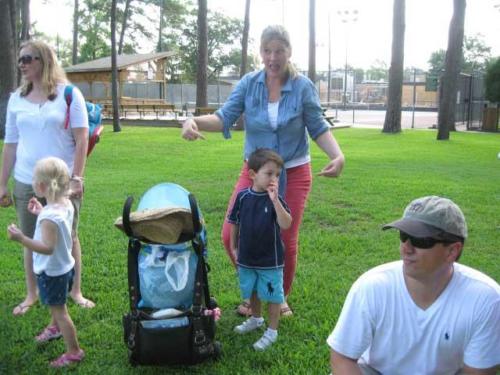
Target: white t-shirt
<point>382,326</point>
<point>272,111</point>
<point>38,130</point>
<point>60,261</point>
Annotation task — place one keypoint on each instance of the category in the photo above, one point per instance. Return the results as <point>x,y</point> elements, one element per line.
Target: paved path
<point>375,119</point>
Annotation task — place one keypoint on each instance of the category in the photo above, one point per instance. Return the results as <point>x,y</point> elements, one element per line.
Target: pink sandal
<point>48,334</point>
<point>68,359</point>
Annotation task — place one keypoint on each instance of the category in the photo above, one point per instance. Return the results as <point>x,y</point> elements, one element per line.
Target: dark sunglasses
<point>421,243</point>
<point>27,59</point>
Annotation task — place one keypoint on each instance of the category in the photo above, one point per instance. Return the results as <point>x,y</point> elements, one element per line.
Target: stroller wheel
<point>133,362</point>
<point>217,350</point>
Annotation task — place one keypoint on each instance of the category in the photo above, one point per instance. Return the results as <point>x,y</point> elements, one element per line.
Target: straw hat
<point>160,225</point>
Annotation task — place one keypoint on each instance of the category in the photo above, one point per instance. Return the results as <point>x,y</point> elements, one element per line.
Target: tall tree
<point>392,122</point>
<point>25,19</point>
<point>244,40</point>
<point>124,25</point>
<point>159,47</point>
<point>74,55</point>
<point>8,67</point>
<point>448,90</point>
<point>114,70</point>
<point>201,74</point>
<point>312,41</point>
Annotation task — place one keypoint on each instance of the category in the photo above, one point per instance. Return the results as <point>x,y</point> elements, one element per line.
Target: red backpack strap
<point>68,96</point>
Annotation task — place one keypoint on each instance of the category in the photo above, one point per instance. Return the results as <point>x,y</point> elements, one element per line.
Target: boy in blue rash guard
<point>257,217</point>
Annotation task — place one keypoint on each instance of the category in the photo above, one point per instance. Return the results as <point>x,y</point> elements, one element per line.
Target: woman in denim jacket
<point>282,110</point>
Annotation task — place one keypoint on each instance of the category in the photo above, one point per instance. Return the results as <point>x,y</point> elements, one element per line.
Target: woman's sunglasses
<point>421,243</point>
<point>27,59</point>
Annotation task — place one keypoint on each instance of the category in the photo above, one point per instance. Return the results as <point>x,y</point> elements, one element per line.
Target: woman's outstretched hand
<point>190,130</point>
<point>333,168</point>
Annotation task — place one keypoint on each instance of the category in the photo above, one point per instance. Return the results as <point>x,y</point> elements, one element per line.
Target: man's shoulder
<point>384,269</point>
<point>476,279</point>
<point>381,277</point>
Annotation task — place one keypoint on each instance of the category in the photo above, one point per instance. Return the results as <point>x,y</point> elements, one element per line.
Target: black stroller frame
<point>185,345</point>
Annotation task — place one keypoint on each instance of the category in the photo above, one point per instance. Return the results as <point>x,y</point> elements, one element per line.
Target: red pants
<point>298,186</point>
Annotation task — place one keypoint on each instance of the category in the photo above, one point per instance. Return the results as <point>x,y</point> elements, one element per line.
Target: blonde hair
<point>54,173</point>
<point>279,33</point>
<point>52,73</point>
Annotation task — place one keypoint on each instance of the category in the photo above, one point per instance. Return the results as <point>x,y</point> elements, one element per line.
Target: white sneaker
<point>249,325</point>
<point>265,341</point>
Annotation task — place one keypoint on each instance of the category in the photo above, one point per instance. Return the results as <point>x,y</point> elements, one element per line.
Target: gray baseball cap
<point>430,217</point>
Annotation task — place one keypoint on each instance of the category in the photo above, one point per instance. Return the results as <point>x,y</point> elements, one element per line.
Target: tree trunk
<point>244,40</point>
<point>201,73</point>
<point>25,19</point>
<point>74,56</point>
<point>124,26</point>
<point>392,122</point>
<point>13,20</point>
<point>159,46</point>
<point>114,71</point>
<point>312,41</point>
<point>453,60</point>
<point>8,67</point>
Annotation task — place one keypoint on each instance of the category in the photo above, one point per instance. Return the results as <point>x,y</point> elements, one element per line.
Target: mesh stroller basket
<point>169,327</point>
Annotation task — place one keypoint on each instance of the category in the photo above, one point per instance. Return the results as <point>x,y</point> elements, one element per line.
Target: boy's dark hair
<point>261,156</point>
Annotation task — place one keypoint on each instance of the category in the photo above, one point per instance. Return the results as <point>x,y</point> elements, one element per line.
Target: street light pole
<point>329,62</point>
<point>348,17</point>
<point>344,97</point>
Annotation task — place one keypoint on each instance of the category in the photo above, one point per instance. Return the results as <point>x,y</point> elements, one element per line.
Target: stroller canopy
<point>163,215</point>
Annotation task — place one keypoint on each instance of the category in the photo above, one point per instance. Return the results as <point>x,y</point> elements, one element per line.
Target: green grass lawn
<point>340,239</point>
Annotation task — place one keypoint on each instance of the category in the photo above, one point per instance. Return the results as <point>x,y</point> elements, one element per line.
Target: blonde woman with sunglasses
<point>34,130</point>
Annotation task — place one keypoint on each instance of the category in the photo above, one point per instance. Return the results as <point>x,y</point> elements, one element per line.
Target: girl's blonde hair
<point>278,32</point>
<point>54,173</point>
<point>52,73</point>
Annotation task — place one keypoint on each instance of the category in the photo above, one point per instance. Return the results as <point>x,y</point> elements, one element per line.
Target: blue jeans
<point>54,289</point>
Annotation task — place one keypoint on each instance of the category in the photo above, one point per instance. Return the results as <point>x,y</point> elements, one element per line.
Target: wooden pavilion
<point>94,77</point>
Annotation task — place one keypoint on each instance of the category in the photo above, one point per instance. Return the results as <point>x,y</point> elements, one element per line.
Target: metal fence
<point>342,91</point>
<point>470,100</point>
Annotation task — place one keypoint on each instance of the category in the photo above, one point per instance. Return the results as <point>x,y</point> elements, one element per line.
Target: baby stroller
<point>172,316</point>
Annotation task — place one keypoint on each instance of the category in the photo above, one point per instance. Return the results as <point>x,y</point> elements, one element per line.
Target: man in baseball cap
<point>423,314</point>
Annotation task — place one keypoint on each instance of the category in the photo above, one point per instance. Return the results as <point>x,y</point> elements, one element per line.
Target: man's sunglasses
<point>422,243</point>
<point>27,59</point>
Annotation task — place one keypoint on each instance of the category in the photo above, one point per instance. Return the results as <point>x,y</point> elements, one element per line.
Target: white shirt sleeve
<point>78,110</point>
<point>11,131</point>
<point>483,349</point>
<point>353,332</point>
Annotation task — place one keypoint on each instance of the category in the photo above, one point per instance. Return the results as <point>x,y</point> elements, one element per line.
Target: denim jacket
<point>299,110</point>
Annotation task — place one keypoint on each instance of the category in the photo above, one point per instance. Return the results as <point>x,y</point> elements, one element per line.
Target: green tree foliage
<point>94,30</point>
<point>224,43</point>
<point>492,81</point>
<point>135,27</point>
<point>476,55</point>
<point>377,71</point>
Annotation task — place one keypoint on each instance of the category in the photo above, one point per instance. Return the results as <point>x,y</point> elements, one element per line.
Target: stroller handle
<point>194,214</point>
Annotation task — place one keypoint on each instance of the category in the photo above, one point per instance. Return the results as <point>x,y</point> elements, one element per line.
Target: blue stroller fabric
<point>166,276</point>
<point>167,271</point>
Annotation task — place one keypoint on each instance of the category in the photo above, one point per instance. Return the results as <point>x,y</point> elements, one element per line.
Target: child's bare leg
<point>62,319</point>
<point>255,305</point>
<point>274,315</point>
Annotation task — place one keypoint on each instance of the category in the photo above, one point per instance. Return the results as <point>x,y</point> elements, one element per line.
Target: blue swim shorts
<point>267,283</point>
<point>54,289</point>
